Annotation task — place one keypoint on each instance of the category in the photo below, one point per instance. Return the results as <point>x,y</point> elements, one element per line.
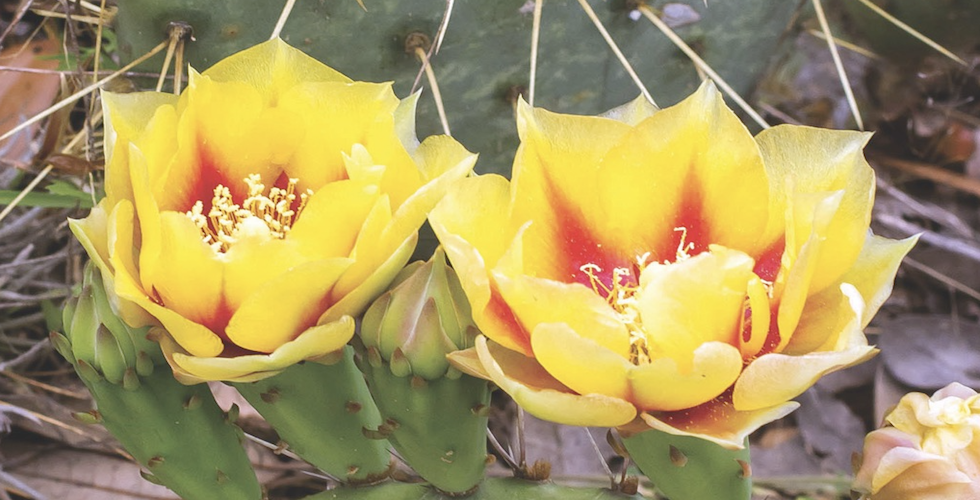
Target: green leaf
<point>47,200</point>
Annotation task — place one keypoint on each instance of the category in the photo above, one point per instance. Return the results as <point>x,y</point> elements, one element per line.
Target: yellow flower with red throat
<point>666,265</point>
<point>256,214</point>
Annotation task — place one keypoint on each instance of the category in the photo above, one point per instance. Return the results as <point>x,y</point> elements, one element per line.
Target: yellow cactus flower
<point>666,265</point>
<point>930,450</point>
<point>254,215</point>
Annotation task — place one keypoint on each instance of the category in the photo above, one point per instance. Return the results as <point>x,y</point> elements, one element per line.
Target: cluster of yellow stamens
<point>227,221</point>
<point>621,295</point>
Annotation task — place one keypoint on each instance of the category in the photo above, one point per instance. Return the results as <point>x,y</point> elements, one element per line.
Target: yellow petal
<point>468,362</point>
<point>820,160</point>
<point>472,226</point>
<point>543,396</point>
<point>98,234</point>
<point>126,115</point>
<point>717,421</point>
<point>313,343</point>
<point>144,117</point>
<point>354,302</point>
<point>829,317</point>
<point>227,133</point>
<point>773,378</point>
<point>874,271</point>
<point>555,174</point>
<point>283,307</point>
<point>193,337</point>
<point>120,232</point>
<point>332,219</point>
<point>638,203</point>
<point>405,123</point>
<point>536,301</point>
<point>662,386</point>
<point>158,144</point>
<point>752,336</point>
<point>475,211</point>
<point>445,164</point>
<point>694,301</point>
<point>582,364</point>
<point>336,116</point>
<point>191,281</point>
<point>148,216</point>
<point>272,67</point>
<point>633,112</point>
<point>370,251</point>
<point>795,281</point>
<point>92,233</point>
<point>727,184</point>
<point>906,473</point>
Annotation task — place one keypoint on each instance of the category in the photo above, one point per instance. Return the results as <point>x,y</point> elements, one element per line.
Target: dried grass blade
<point>691,54</point>
<point>848,92</point>
<point>912,31</point>
<point>615,48</point>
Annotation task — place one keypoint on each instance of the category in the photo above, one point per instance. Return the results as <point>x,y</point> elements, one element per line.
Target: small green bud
<point>97,341</point>
<point>421,318</point>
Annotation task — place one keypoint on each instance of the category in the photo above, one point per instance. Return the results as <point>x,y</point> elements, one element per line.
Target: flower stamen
<point>684,247</point>
<point>621,296</point>
<point>226,222</point>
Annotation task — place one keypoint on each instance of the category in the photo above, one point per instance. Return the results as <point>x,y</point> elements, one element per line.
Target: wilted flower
<point>254,215</point>
<point>930,450</point>
<point>664,264</point>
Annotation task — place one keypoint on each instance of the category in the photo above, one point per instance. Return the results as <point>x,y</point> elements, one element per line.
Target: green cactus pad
<point>438,426</point>
<point>177,432</point>
<point>689,468</point>
<point>320,412</point>
<point>191,449</point>
<point>485,57</point>
<point>492,489</point>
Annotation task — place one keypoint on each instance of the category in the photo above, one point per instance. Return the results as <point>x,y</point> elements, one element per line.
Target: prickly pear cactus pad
<point>484,59</point>
<point>177,432</point>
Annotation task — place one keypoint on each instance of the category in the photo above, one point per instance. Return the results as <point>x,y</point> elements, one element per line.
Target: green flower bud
<point>420,319</point>
<point>431,411</point>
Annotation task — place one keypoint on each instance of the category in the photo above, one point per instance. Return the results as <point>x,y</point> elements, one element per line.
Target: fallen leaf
<point>23,95</point>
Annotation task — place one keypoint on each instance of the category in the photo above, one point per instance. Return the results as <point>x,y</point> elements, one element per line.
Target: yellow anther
<point>227,221</point>
<point>622,298</point>
<point>683,247</point>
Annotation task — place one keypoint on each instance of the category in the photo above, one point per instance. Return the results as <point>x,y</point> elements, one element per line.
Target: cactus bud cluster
<point>434,416</point>
<point>177,432</point>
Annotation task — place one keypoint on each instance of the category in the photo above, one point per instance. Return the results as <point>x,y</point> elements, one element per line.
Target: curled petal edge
<point>315,343</point>
<point>555,405</point>
<point>732,439</point>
